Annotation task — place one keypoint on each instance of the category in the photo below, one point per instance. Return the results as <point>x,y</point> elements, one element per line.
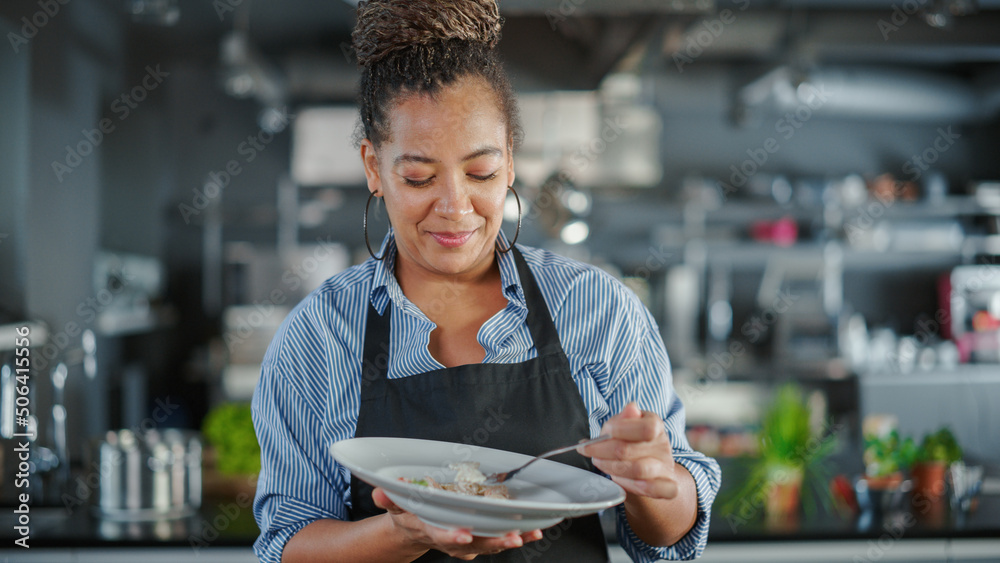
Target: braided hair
<point>407,47</point>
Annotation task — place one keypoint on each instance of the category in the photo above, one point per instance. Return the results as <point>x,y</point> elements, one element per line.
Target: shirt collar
<point>386,288</point>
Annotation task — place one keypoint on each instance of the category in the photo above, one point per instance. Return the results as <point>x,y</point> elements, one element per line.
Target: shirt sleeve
<point>644,376</point>
<point>299,481</point>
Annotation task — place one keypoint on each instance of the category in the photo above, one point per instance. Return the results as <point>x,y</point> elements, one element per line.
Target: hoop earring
<point>365,223</point>
<point>518,231</point>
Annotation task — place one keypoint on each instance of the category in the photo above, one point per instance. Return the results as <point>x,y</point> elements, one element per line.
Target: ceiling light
<point>157,12</point>
<point>575,232</point>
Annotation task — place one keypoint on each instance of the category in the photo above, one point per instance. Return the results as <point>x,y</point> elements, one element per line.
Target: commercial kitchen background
<point>800,190</point>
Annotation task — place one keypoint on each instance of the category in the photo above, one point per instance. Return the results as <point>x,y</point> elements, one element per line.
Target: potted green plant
<point>791,453</point>
<point>233,458</point>
<point>886,458</point>
<point>937,452</point>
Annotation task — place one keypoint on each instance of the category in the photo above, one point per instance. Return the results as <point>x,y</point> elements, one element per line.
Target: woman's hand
<point>638,457</point>
<point>458,543</point>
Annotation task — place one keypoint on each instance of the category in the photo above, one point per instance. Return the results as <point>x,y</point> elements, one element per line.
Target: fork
<point>501,477</point>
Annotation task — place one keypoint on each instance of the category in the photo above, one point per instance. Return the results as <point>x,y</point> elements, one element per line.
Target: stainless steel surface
<point>7,383</point>
<point>152,475</point>
<point>59,375</point>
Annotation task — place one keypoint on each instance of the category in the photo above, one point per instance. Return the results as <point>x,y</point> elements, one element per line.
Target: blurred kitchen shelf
<point>749,254</point>
<point>778,370</point>
<point>833,369</point>
<point>239,381</point>
<point>114,323</point>
<point>660,232</point>
<point>983,244</point>
<point>38,334</point>
<point>958,375</point>
<point>951,206</point>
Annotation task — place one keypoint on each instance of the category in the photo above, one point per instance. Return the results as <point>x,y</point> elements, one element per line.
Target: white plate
<point>542,495</point>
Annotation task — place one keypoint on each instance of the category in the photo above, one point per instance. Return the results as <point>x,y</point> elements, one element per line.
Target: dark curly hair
<point>418,46</point>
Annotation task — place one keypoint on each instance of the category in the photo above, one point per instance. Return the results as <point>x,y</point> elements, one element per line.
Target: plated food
<point>541,496</point>
<point>469,480</point>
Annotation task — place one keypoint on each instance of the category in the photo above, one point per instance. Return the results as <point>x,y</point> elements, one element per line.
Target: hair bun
<point>386,26</point>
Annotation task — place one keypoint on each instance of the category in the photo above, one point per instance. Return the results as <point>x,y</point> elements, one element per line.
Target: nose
<point>453,202</point>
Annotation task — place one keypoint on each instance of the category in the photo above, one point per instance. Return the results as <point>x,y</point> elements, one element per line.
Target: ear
<point>369,158</point>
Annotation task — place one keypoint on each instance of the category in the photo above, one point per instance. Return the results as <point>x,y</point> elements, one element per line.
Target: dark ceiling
<point>572,44</point>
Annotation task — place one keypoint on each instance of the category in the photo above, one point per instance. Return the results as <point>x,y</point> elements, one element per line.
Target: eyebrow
<point>485,151</point>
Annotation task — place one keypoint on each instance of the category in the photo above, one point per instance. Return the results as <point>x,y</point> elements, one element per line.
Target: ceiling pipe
<point>870,93</point>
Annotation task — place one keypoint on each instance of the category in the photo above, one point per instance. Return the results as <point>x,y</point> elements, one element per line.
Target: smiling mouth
<point>452,239</point>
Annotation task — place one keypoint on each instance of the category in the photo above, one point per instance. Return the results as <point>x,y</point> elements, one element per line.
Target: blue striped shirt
<point>308,394</point>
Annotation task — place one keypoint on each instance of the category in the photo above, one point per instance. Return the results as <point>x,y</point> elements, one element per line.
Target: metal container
<point>151,475</point>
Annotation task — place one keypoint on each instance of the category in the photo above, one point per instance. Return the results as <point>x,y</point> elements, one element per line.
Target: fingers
<point>383,501</point>
<point>636,434</point>
<point>531,536</point>
<point>634,425</point>
<point>655,488</point>
<point>642,469</point>
<point>639,456</point>
<point>648,477</point>
<point>467,547</point>
<point>459,543</point>
<point>631,410</point>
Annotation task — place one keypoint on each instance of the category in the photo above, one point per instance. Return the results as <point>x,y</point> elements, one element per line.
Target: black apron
<point>500,406</point>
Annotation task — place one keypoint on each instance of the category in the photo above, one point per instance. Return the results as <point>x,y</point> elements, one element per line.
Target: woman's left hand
<point>638,457</point>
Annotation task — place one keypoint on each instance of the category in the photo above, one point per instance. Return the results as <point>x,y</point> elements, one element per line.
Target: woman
<point>450,324</point>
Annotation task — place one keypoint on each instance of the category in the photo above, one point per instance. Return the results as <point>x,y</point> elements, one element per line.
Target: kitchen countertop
<point>229,522</point>
<point>929,521</point>
<point>908,517</point>
<point>218,523</point>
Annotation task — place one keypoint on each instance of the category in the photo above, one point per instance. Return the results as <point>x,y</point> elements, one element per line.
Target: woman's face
<point>443,173</point>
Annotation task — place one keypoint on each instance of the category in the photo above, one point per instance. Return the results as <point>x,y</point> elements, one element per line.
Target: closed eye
<point>486,178</point>
<point>418,183</point>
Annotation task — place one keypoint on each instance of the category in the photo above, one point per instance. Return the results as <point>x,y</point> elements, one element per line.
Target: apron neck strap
<point>375,358</point>
<point>543,329</point>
